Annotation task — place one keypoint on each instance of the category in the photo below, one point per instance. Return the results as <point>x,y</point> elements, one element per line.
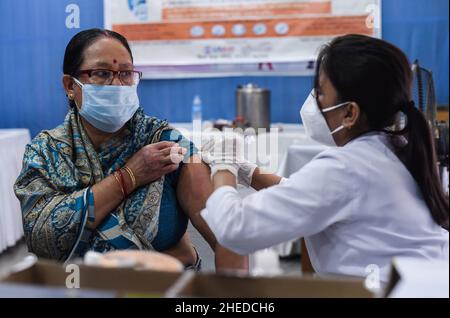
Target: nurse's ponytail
<point>377,75</point>
<point>419,156</point>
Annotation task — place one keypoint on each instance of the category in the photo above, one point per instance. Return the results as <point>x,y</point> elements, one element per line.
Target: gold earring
<point>70,96</point>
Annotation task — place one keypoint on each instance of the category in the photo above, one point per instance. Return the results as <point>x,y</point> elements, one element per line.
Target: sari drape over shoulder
<point>54,188</point>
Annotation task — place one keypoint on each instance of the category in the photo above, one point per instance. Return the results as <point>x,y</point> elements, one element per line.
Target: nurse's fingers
<point>174,149</point>
<point>172,158</point>
<point>207,144</point>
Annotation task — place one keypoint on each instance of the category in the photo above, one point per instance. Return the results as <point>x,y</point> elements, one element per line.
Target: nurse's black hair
<point>377,76</point>
<point>74,54</point>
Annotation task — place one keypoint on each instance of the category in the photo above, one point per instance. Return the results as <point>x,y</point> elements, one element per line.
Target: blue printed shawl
<point>54,188</point>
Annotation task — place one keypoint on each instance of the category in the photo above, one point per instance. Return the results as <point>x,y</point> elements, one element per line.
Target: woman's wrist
<point>129,178</point>
<point>119,183</point>
<point>125,180</point>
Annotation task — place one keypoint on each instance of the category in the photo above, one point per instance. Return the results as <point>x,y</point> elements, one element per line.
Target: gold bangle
<point>118,182</point>
<point>131,174</point>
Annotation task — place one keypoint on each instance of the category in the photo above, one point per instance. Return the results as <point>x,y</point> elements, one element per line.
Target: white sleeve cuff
<point>213,204</point>
<point>214,200</point>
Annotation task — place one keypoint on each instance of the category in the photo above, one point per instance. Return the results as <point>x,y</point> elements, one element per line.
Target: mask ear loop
<point>329,109</point>
<point>78,82</point>
<point>81,86</point>
<point>341,127</point>
<point>326,110</point>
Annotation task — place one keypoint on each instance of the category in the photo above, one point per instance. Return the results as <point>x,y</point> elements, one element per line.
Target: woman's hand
<point>154,161</point>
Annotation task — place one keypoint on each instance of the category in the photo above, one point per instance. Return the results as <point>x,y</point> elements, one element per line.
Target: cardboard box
<point>51,277</point>
<point>227,286</point>
<point>418,278</point>
<point>12,290</point>
<point>124,282</point>
<point>442,113</point>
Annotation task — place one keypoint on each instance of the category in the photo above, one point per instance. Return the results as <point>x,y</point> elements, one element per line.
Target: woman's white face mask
<point>316,126</point>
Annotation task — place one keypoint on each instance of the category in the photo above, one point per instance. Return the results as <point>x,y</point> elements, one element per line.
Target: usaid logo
<point>373,20</point>
<point>139,9</point>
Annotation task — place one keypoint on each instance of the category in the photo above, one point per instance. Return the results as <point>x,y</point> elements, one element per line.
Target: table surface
<point>12,147</point>
<point>11,133</point>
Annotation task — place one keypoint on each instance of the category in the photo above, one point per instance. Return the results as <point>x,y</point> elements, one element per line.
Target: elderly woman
<point>110,177</point>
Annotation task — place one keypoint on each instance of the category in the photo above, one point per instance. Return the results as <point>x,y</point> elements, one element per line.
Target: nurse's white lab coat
<point>355,206</point>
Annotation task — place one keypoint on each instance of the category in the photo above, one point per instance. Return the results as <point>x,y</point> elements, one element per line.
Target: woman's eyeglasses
<point>106,77</point>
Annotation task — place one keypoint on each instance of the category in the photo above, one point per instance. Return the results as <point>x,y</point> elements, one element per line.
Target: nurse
<point>375,194</point>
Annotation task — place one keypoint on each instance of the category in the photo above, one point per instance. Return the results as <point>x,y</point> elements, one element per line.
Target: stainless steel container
<point>253,106</point>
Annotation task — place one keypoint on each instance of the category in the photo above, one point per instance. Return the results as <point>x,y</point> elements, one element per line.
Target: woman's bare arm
<point>193,189</point>
<point>262,180</point>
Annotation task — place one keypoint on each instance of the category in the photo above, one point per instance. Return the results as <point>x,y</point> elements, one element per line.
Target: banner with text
<point>206,38</point>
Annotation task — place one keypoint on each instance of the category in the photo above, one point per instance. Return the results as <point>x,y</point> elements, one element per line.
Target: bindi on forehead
<point>114,61</point>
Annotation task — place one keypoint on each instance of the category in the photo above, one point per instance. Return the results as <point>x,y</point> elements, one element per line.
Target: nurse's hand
<point>154,161</point>
<point>246,168</point>
<point>245,173</point>
<point>223,152</point>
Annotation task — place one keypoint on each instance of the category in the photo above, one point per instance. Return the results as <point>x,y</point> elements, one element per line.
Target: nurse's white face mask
<point>316,126</point>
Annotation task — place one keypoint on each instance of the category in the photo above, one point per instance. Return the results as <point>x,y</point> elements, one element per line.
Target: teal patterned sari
<point>54,189</point>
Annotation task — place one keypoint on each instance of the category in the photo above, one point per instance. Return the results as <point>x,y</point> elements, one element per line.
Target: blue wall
<point>33,37</point>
